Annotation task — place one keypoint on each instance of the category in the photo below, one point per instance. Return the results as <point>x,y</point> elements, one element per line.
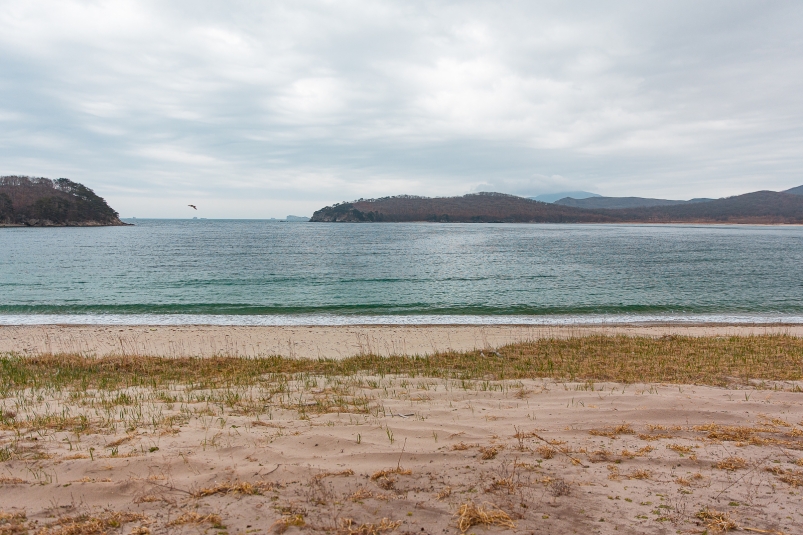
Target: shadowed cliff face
<point>760,207</point>
<point>43,202</point>
<point>346,213</point>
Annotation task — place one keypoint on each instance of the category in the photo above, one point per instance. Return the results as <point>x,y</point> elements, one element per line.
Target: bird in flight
<point>192,206</point>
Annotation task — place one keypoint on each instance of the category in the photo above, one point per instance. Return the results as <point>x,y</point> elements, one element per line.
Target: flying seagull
<point>192,206</point>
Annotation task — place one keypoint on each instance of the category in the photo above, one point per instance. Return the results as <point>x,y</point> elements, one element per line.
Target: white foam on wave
<point>333,319</point>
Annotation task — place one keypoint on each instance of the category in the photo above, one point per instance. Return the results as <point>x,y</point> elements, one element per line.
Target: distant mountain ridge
<point>621,202</point>
<point>585,199</point>
<point>760,207</point>
<point>552,197</point>
<point>42,202</point>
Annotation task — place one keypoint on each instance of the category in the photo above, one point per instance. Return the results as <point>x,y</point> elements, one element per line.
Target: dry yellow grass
<point>192,517</point>
<point>488,453</point>
<point>88,525</point>
<point>284,523</point>
<point>685,450</point>
<point>794,478</point>
<point>470,514</point>
<point>655,436</point>
<point>361,494</point>
<point>790,477</point>
<point>348,527</point>
<point>8,517</point>
<point>546,452</point>
<point>613,472</point>
<point>12,523</point>
<point>733,433</point>
<point>613,432</point>
<point>234,487</point>
<point>731,463</point>
<point>639,474</point>
<point>716,521</point>
<point>385,473</point>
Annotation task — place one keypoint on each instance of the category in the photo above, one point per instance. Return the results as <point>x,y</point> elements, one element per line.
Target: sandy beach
<point>543,456</point>
<point>318,341</point>
<point>95,446</point>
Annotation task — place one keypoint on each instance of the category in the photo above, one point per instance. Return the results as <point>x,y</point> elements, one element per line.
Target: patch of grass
<point>234,487</point>
<point>385,473</point>
<point>546,452</point>
<point>89,525</point>
<point>361,494</point>
<point>613,432</point>
<point>639,474</point>
<point>689,360</point>
<point>732,433</point>
<point>445,493</point>
<point>192,517</point>
<point>470,514</point>
<point>11,523</point>
<point>384,478</point>
<point>716,521</point>
<point>284,523</point>
<point>731,463</point>
<point>790,477</point>
<point>654,436</point>
<point>349,527</point>
<point>489,453</point>
<point>680,448</point>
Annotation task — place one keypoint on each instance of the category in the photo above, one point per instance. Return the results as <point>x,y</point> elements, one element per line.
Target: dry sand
<point>315,342</point>
<point>172,464</point>
<point>366,455</point>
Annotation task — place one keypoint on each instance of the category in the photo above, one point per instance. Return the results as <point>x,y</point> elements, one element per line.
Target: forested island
<point>42,202</point>
<point>760,207</point>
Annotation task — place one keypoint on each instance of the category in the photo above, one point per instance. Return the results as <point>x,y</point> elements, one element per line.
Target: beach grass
<point>717,361</point>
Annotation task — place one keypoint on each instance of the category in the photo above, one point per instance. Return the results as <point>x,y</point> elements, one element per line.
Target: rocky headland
<point>42,202</point>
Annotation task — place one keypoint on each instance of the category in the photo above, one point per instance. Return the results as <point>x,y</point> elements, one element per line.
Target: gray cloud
<point>254,109</point>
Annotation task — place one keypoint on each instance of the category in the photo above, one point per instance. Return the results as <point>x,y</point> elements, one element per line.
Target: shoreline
<point>324,341</point>
<point>335,319</point>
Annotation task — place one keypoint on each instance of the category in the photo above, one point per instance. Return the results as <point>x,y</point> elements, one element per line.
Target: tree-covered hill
<point>43,202</point>
<point>760,207</point>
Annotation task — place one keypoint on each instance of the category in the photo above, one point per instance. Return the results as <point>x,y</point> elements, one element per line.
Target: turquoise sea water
<point>257,272</point>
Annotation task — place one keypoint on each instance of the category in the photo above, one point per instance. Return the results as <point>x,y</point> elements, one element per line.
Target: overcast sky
<point>264,109</point>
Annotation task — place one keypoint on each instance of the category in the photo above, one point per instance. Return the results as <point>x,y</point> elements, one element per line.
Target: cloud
<point>263,104</point>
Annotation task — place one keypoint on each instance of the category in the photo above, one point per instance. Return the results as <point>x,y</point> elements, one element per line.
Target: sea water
<point>269,273</point>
